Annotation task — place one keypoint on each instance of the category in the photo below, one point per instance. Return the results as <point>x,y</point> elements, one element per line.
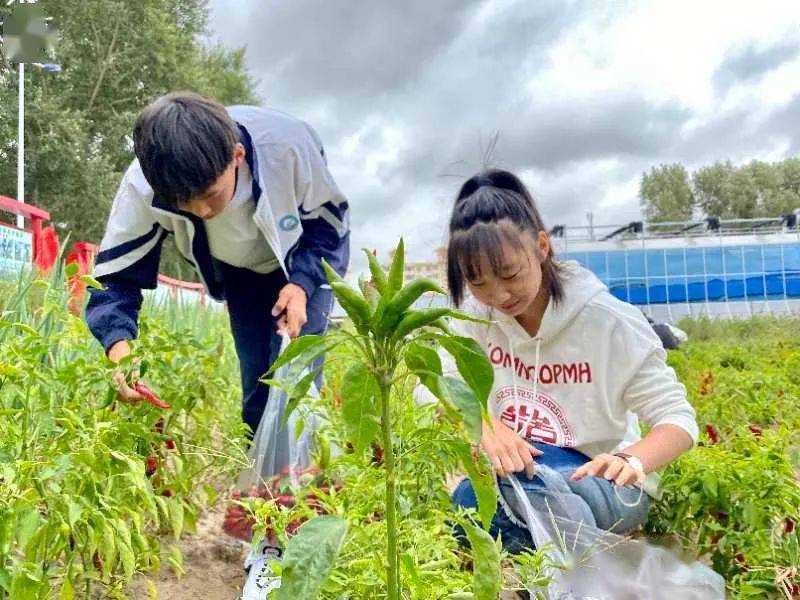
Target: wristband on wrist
<point>635,463</point>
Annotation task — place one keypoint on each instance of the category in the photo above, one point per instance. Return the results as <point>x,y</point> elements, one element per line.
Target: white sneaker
<point>261,579</point>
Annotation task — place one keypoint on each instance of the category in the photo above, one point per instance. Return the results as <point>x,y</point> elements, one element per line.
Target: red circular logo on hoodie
<point>540,419</point>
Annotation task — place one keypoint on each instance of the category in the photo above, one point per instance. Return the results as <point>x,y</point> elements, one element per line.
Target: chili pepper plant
<point>392,341</point>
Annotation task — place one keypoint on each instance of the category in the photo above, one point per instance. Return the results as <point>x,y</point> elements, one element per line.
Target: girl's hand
<point>613,468</point>
<point>507,451</point>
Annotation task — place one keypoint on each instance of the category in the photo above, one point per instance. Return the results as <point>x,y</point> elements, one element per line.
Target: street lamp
<point>47,68</point>
<point>26,39</point>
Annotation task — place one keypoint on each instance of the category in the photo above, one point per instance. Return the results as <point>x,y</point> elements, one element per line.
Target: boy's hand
<point>507,451</point>
<point>291,309</point>
<point>125,392</point>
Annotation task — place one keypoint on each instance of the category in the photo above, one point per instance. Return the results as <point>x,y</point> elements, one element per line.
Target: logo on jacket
<point>539,420</point>
<point>288,222</point>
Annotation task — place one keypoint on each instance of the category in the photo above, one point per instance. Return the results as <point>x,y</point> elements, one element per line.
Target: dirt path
<point>212,561</point>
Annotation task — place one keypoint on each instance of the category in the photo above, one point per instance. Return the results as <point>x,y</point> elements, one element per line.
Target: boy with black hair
<point>247,194</point>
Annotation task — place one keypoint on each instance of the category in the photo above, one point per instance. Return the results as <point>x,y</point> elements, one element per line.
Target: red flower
<point>712,434</point>
<point>151,465</point>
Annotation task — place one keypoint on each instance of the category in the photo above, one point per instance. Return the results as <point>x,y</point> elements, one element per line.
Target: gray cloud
<point>408,95</point>
<point>346,49</point>
<point>752,62</point>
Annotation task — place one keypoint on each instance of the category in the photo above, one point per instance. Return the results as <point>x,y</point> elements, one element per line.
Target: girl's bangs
<point>485,242</point>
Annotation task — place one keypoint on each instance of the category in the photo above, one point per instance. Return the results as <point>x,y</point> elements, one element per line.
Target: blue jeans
<point>250,297</point>
<point>592,497</point>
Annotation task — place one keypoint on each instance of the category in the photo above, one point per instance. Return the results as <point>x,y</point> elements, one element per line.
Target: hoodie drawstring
<point>520,430</point>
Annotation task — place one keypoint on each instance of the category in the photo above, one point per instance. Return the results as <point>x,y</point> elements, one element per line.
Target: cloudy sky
<point>582,96</point>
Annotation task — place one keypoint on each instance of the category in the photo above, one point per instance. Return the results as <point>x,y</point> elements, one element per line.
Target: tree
<point>758,189</point>
<point>665,194</point>
<point>711,186</point>
<point>116,57</point>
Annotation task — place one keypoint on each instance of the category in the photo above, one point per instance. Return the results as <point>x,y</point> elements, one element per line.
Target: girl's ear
<point>543,245</point>
<point>238,154</point>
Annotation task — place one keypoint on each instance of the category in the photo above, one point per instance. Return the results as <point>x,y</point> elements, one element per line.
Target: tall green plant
<point>391,334</point>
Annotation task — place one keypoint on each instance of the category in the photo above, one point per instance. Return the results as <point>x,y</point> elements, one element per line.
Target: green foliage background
<point>116,56</point>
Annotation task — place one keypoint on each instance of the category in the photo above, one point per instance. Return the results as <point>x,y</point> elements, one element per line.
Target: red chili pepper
<point>98,562</point>
<point>712,434</point>
<point>148,395</point>
<point>285,500</point>
<point>707,383</point>
<point>755,430</point>
<point>151,465</point>
<point>377,455</point>
<point>788,525</point>
<point>742,562</point>
<point>292,527</point>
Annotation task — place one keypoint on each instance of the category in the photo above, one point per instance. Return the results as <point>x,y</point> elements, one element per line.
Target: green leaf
<point>421,359</point>
<point>310,556</point>
<point>360,396</point>
<point>296,347</point>
<point>472,364</point>
<point>396,271</point>
<point>91,282</point>
<point>71,269</point>
<point>461,316</point>
<point>355,305</point>
<point>108,547</point>
<point>330,273</point>
<point>66,593</point>
<point>458,394</point>
<point>176,517</point>
<point>297,392</point>
<point>378,274</point>
<point>27,526</point>
<point>128,560</point>
<point>9,370</point>
<point>482,478</point>
<point>487,577</point>
<point>74,513</point>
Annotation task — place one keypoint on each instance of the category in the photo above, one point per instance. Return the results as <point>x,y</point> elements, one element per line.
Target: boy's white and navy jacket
<point>299,210</point>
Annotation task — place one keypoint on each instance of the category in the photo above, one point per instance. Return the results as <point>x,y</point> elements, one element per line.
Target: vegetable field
<point>94,492</point>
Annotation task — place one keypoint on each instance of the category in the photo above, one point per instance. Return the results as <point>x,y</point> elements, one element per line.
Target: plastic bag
<point>276,449</point>
<point>600,565</point>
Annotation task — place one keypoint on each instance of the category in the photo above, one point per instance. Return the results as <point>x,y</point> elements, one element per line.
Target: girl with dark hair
<point>575,368</point>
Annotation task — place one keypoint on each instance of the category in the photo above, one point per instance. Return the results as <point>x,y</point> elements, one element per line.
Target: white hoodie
<point>593,370</point>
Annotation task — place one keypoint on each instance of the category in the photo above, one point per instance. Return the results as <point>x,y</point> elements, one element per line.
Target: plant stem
<point>393,573</point>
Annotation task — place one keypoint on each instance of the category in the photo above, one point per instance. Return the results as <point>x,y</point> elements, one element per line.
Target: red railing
<point>36,215</point>
<point>82,253</point>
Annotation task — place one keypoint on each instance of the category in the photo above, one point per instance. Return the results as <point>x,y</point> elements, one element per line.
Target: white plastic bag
<point>276,450</point>
<point>600,565</point>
